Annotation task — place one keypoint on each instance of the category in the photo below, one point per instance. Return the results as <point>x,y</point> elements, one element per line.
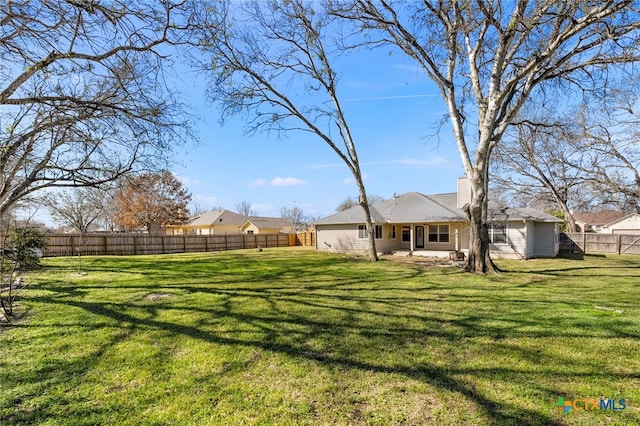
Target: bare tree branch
<point>83,94</point>
<point>489,58</point>
<point>273,61</point>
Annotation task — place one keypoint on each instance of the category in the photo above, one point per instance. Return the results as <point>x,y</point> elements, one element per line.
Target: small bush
<point>24,246</point>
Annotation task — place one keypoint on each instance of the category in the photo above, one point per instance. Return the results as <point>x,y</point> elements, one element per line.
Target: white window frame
<point>491,228</point>
<point>362,232</point>
<point>378,231</point>
<point>407,233</point>
<point>439,235</point>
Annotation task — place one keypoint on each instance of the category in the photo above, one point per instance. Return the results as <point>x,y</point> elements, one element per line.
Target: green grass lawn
<point>292,336</point>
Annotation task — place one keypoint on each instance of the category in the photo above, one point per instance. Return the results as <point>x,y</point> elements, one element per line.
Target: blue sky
<point>393,110</point>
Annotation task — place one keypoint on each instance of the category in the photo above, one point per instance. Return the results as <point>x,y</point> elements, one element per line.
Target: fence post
<point>184,243</point>
<point>584,243</point>
<point>618,243</point>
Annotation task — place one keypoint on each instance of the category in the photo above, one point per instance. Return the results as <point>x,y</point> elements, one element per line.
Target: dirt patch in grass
<point>425,261</point>
<point>157,296</point>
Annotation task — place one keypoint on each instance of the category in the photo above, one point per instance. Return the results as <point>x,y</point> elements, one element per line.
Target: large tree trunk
<point>568,217</point>
<point>479,260</point>
<point>372,252</point>
<point>364,203</point>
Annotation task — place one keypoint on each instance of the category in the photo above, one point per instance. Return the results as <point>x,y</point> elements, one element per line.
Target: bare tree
<point>350,202</point>
<point>274,61</point>
<point>196,209</point>
<point>82,92</point>
<point>78,208</point>
<point>488,58</point>
<point>244,208</point>
<point>576,161</point>
<point>541,162</point>
<point>296,216</point>
<point>613,141</point>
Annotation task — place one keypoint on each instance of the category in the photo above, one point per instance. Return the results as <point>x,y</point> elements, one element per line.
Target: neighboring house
<point>266,225</point>
<point>593,222</point>
<point>213,222</point>
<point>219,222</point>
<point>628,224</point>
<point>435,225</point>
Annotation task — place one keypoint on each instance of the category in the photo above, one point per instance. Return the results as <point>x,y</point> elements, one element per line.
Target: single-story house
<point>266,225</point>
<point>628,224</point>
<point>594,222</point>
<point>214,222</point>
<point>435,225</point>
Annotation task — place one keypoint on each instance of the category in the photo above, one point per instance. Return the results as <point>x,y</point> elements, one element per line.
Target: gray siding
<point>340,238</point>
<point>515,247</point>
<point>530,250</point>
<point>344,239</point>
<point>545,244</point>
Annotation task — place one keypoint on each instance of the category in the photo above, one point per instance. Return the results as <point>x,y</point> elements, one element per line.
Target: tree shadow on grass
<point>274,324</point>
<point>253,309</point>
<point>440,377</point>
<point>29,398</point>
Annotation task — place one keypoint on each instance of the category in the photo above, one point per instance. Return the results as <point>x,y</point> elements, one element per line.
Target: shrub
<point>24,246</point>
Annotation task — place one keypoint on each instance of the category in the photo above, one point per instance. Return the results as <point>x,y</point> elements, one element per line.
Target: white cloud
<point>351,180</point>
<point>187,181</point>
<point>288,181</point>
<point>434,161</point>
<point>258,183</point>
<point>206,201</point>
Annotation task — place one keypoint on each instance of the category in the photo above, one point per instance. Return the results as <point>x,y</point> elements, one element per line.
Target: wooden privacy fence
<point>307,239</point>
<point>133,244</point>
<point>599,243</point>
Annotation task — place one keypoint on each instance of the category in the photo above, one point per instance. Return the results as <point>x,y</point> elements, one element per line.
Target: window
<point>393,232</point>
<point>378,229</point>
<point>443,233</point>
<point>362,231</point>
<point>250,232</point>
<point>497,233</point>
<point>438,233</point>
<point>406,234</point>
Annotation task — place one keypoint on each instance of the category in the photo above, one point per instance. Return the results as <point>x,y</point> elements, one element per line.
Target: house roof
<point>621,219</point>
<point>217,217</point>
<point>520,213</point>
<point>414,207</point>
<point>268,222</point>
<point>599,218</point>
